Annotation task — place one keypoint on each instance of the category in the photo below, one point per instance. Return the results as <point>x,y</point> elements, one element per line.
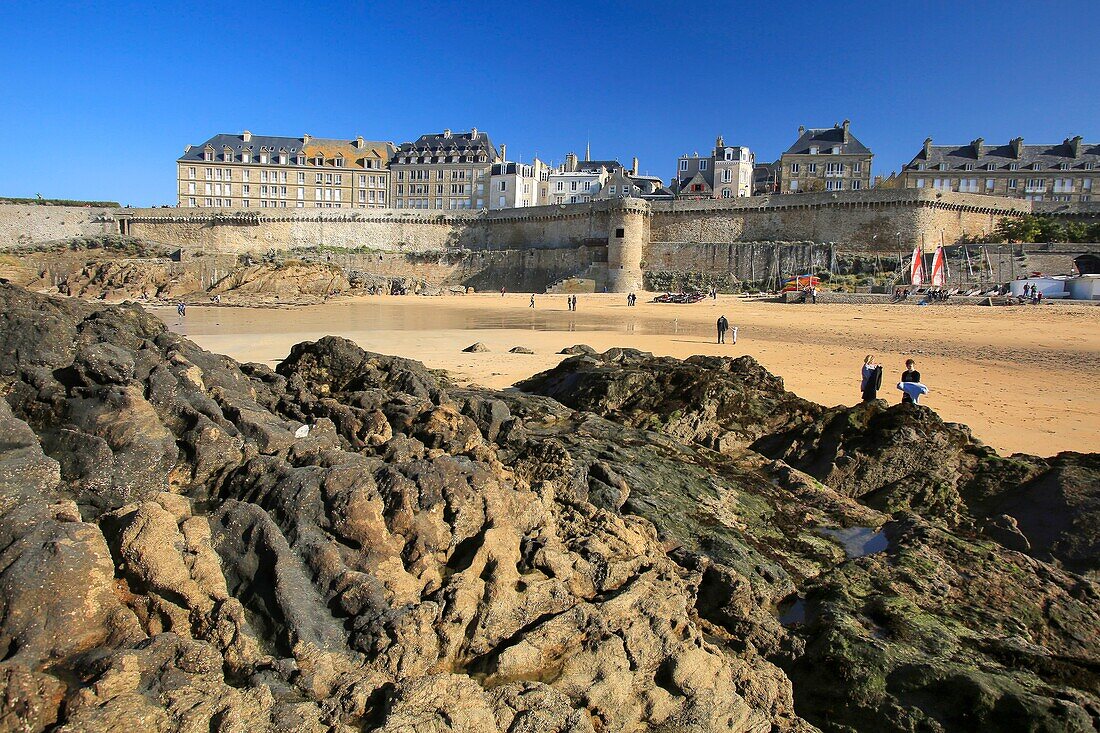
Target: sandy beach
<point>1023,378</point>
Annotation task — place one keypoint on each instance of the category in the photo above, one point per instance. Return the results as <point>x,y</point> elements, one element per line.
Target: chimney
<point>847,134</point>
<point>634,166</point>
<point>1017,145</point>
<point>571,163</point>
<point>306,139</point>
<point>978,147</point>
<point>473,133</point>
<point>801,130</point>
<point>503,153</point>
<point>246,136</point>
<point>927,147</point>
<point>719,143</point>
<point>447,134</point>
<point>359,142</point>
<point>1074,144</point>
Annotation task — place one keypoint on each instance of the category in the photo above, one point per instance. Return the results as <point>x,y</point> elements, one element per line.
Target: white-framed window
<point>794,185</point>
<point>968,167</point>
<point>339,179</point>
<point>500,202</point>
<point>726,193</point>
<point>857,184</point>
<point>703,164</point>
<point>191,187</point>
<point>588,185</point>
<point>336,194</point>
<point>263,176</point>
<point>209,174</point>
<point>191,202</point>
<point>560,187</point>
<point>1036,166</point>
<point>503,186</point>
<point>857,167</point>
<point>245,203</point>
<point>1086,184</point>
<point>835,150</point>
<point>244,175</point>
<point>263,158</point>
<point>246,189</point>
<point>921,166</point>
<point>991,166</point>
<point>834,185</point>
<point>727,176</point>
<point>228,189</point>
<point>611,190</point>
<point>834,169</point>
<point>990,184</point>
<point>263,190</point>
<point>573,186</point>
<point>1014,166</point>
<point>1063,185</point>
<point>316,194</point>
<point>191,172</point>
<point>968,185</point>
<point>1037,185</point>
<point>920,183</point>
<point>1013,183</point>
<point>811,167</point>
<point>209,203</point>
<point>208,190</point>
<point>683,165</point>
<point>814,149</point>
<point>282,159</point>
<point>246,156</point>
<point>796,167</point>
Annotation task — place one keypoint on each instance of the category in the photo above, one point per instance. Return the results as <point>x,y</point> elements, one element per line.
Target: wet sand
<point>1024,379</point>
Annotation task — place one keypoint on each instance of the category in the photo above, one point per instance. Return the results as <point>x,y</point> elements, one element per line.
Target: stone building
<point>825,159</point>
<point>261,171</point>
<point>727,173</point>
<point>579,181</point>
<point>516,185</point>
<point>1062,172</point>
<point>446,170</point>
<point>765,178</point>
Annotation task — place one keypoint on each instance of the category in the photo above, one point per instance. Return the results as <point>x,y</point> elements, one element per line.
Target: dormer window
<point>282,159</point>
<point>1088,166</point>
<point>968,167</point>
<point>813,150</point>
<point>338,162</point>
<point>300,160</point>
<point>263,158</point>
<point>1014,166</point>
<point>836,150</point>
<point>920,166</point>
<point>991,166</point>
<point>943,166</point>
<point>1036,166</point>
<point>227,156</point>
<point>208,154</point>
<point>729,155</point>
<point>1063,166</point>
<point>246,156</point>
<point>319,160</point>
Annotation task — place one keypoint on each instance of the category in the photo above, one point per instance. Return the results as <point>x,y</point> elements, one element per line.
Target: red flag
<point>916,268</point>
<point>939,267</point>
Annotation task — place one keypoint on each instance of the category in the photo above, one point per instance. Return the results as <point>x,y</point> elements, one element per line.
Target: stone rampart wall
<point>29,224</point>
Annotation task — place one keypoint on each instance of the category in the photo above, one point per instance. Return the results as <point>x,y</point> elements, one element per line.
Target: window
<point>317,194</point>
<point>835,150</point>
<point>794,185</point>
<point>500,202</point>
<point>336,195</point>
<point>208,190</point>
<point>1063,185</point>
<point>968,185</point>
<point>991,166</point>
<point>263,158</point>
<point>813,150</point>
<point>246,188</point>
<point>263,190</point>
<point>191,187</point>
<point>191,172</point>
<point>921,166</point>
<point>811,167</point>
<point>560,186</point>
<point>301,192</point>
<point>503,185</point>
<point>339,179</point>
<point>726,193</point>
<point>209,202</point>
<point>263,176</point>
<point>244,175</point>
<point>1086,184</point>
<point>857,184</point>
<point>1012,184</point>
<point>703,165</point>
<point>920,183</point>
<point>795,167</point>
<point>1014,166</point>
<point>968,167</point>
<point>209,174</point>
<point>208,155</point>
<point>857,167</point>
<point>990,183</point>
<point>727,176</point>
<point>228,189</point>
<point>245,203</point>
<point>573,186</point>
<point>328,178</point>
<point>834,169</point>
<point>611,190</point>
<point>834,185</point>
<point>191,202</point>
<point>1036,184</point>
<point>729,155</point>
<point>282,159</point>
<point>683,165</point>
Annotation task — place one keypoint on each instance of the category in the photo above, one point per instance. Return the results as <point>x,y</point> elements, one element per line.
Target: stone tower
<point>628,232</point>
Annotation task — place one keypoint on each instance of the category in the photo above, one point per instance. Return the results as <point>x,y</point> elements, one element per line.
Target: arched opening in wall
<point>1087,264</point>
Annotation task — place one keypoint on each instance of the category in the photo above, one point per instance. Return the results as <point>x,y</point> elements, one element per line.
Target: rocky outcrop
<point>288,279</point>
<point>351,542</point>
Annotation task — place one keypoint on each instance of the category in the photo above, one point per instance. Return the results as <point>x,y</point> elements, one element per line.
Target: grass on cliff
<point>62,202</point>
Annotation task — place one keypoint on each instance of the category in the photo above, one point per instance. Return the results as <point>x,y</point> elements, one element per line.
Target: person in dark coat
<point>723,326</point>
<point>909,375</point>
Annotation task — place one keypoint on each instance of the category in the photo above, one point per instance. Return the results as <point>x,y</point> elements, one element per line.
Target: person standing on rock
<point>872,378</point>
<point>723,326</point>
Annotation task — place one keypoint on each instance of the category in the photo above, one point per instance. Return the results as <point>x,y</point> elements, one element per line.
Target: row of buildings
<point>465,170</point>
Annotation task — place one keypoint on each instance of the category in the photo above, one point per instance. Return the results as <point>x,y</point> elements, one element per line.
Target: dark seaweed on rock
<point>350,542</point>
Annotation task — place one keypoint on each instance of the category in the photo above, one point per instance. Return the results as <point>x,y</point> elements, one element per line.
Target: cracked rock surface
<point>349,542</point>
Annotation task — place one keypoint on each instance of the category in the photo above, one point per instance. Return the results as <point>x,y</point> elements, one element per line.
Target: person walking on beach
<point>910,375</point>
<point>181,309</point>
<point>723,326</point>
<point>813,294</point>
<point>532,301</point>
<point>872,378</point>
<point>502,291</point>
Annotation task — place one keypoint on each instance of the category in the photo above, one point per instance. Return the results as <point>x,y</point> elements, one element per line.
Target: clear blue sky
<point>101,98</point>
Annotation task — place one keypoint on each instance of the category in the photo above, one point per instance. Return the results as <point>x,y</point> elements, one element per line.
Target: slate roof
<point>1049,157</point>
<point>595,165</point>
<point>438,141</point>
<point>827,138</point>
<point>291,145</point>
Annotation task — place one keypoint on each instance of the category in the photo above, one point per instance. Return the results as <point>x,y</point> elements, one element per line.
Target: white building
<point>516,185</point>
<point>725,174</point>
